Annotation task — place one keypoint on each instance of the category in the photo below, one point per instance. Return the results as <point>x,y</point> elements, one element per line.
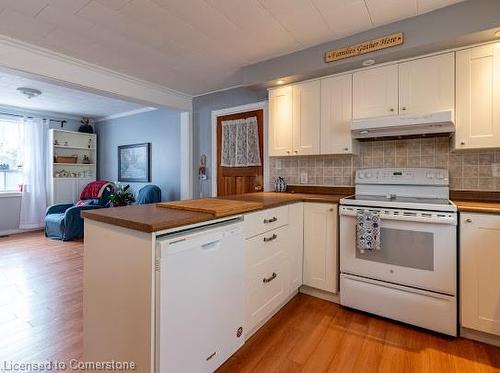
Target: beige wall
<point>471,170</point>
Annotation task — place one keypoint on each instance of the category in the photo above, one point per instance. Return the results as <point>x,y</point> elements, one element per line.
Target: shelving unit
<point>68,179</point>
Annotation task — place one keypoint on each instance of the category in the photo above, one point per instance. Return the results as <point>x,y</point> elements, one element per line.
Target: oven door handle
<point>410,216</point>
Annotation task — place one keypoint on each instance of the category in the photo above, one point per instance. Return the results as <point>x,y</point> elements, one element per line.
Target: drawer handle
<point>272,220</point>
<point>269,279</point>
<point>273,237</point>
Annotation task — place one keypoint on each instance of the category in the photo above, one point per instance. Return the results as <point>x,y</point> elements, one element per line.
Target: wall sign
<point>368,46</point>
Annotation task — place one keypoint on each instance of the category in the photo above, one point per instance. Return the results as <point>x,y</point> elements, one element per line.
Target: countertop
<point>149,218</point>
<point>487,207</point>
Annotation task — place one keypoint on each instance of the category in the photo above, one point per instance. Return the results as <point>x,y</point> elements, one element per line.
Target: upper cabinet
<point>306,118</point>
<point>375,92</point>
<point>478,97</point>
<point>336,115</point>
<point>280,121</point>
<point>427,85</point>
<point>420,86</point>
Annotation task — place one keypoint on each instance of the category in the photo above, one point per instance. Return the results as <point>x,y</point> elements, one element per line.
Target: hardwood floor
<point>40,298</point>
<point>312,335</point>
<point>41,318</point>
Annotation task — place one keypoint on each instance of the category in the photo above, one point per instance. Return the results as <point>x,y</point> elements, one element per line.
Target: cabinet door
<point>478,97</point>
<point>375,92</point>
<point>336,115</point>
<point>427,85</point>
<point>64,190</point>
<point>306,118</point>
<point>280,121</point>
<point>479,271</point>
<point>295,244</point>
<point>320,246</point>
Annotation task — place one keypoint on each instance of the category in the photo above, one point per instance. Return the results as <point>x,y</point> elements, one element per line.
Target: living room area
<point>64,149</point>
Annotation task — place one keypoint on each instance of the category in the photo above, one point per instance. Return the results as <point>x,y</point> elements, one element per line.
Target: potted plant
<point>121,196</point>
<point>86,127</point>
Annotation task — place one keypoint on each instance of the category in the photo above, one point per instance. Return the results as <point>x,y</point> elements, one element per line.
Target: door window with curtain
<point>11,154</point>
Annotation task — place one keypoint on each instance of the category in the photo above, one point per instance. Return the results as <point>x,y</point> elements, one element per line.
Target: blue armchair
<point>148,194</point>
<point>64,222</point>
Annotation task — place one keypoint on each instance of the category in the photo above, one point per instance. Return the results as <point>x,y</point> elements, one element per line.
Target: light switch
<point>303,177</point>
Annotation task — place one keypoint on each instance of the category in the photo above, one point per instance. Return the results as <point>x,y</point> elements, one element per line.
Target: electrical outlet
<point>279,164</point>
<point>495,169</point>
<point>303,177</point>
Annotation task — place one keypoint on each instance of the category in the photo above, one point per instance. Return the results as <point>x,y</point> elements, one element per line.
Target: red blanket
<point>94,189</point>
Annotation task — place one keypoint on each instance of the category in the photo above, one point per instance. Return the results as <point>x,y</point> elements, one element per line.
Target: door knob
<point>258,187</point>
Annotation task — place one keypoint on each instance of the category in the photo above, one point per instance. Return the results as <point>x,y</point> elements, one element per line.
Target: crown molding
<point>56,67</point>
<point>125,114</point>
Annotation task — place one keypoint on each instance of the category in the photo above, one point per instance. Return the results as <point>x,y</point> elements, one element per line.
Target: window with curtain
<point>11,155</point>
<point>240,143</point>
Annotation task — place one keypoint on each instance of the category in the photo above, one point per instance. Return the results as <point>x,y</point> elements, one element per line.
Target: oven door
<point>418,249</point>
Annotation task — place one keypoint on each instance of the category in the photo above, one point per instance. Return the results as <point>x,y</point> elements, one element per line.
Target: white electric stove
<point>413,277</point>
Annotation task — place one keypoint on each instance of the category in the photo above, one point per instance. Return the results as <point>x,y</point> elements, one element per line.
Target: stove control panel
<point>403,176</point>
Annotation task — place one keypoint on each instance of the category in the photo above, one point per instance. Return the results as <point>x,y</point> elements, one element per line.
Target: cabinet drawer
<point>266,288</point>
<point>264,246</point>
<point>265,220</point>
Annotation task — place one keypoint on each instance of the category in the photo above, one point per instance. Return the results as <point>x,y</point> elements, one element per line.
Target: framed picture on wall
<point>134,163</point>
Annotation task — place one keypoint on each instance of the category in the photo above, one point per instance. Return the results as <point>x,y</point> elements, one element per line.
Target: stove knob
<point>430,176</point>
<point>368,175</point>
<point>361,175</point>
<point>440,176</point>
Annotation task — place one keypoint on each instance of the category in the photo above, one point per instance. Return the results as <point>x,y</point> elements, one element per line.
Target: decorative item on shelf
<point>280,184</point>
<point>62,173</point>
<point>86,159</point>
<point>56,142</point>
<point>66,143</point>
<point>89,144</point>
<point>121,196</point>
<point>4,167</point>
<point>66,158</point>
<point>86,127</point>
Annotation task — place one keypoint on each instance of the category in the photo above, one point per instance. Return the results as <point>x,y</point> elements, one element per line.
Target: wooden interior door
<point>239,180</point>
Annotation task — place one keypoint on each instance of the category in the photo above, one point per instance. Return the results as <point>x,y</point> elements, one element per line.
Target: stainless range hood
<point>404,125</point>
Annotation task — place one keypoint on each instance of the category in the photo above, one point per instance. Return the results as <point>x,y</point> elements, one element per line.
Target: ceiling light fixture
<point>280,81</point>
<point>29,92</point>
<point>368,62</point>
<point>497,33</point>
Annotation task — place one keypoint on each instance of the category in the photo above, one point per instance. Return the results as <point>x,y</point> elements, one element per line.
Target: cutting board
<point>214,206</point>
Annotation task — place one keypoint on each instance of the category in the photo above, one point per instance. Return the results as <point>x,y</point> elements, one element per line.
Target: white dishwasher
<point>200,297</point>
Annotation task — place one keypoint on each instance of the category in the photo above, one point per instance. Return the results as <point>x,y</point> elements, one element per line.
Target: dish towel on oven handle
<point>367,230</point>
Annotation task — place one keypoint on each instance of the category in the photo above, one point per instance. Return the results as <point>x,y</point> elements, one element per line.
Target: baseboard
<point>331,297</point>
<point>10,232</point>
<point>475,335</point>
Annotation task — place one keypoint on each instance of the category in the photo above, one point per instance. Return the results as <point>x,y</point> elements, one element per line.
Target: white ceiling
<point>194,46</point>
<point>58,99</point>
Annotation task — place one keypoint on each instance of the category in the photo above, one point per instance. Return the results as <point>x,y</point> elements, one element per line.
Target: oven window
<point>403,248</point>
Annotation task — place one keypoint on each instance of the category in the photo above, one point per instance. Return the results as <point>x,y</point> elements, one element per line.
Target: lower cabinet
<point>67,189</point>
<point>273,255</point>
<point>480,272</point>
<point>320,246</point>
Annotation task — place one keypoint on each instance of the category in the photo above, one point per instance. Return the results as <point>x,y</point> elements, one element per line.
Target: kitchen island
<point>121,263</point>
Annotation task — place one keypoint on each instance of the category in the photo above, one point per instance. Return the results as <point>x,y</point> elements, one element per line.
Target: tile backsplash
<point>469,170</point>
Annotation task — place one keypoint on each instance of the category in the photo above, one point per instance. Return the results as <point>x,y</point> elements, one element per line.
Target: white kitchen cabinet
<point>478,97</point>
<point>280,121</point>
<point>320,246</point>
<point>427,85</point>
<point>375,92</point>
<point>306,118</point>
<point>296,244</point>
<point>67,189</point>
<point>336,116</point>
<point>479,272</point>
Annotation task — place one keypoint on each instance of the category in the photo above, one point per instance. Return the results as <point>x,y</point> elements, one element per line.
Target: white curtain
<point>240,143</point>
<point>34,199</point>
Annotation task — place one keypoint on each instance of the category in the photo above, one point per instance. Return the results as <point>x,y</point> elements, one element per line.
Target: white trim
<point>62,69</point>
<point>261,105</point>
<point>9,232</point>
<point>186,155</point>
<point>10,194</point>
<point>28,112</point>
<point>125,114</point>
<point>220,90</point>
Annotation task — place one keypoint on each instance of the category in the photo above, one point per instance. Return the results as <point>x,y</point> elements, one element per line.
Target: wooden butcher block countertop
<point>151,218</point>
<point>486,207</point>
